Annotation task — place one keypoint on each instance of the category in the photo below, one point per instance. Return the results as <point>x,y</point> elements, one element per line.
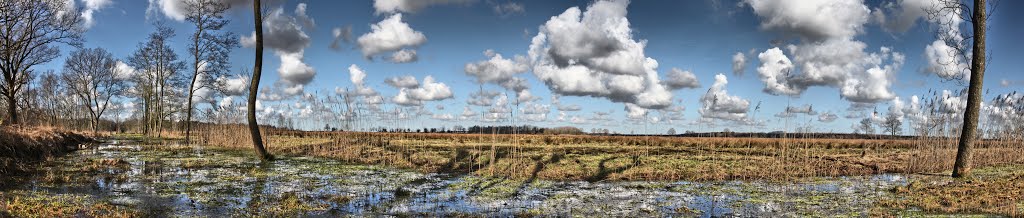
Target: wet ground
<point>186,181</point>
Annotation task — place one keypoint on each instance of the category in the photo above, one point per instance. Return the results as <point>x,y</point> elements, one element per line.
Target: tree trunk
<point>188,113</point>
<point>254,128</point>
<point>968,134</point>
<point>12,110</point>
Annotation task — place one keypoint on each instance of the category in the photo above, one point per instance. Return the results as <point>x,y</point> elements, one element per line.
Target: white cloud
<point>283,33</point>
<point>593,53</point>
<point>497,69</point>
<point>124,71</point>
<point>718,104</point>
<point>293,71</point>
<point>467,114</point>
<point>860,77</point>
<point>739,64</point>
<point>827,117</point>
<point>395,6</point>
<point>402,82</point>
<point>828,55</point>
<point>903,14</point>
<point>812,20</point>
<point>944,62</point>
<point>404,56</point>
<point>358,78</point>
<point>389,35</point>
<point>235,86</point>
<point>428,91</point>
<point>679,79</point>
<point>91,7</point>
<point>300,12</point>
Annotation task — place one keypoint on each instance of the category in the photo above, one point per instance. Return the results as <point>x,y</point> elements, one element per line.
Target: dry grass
<point>596,158</point>
<point>993,190</point>
<point>22,146</point>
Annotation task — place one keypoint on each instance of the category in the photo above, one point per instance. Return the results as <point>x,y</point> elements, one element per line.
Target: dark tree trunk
<point>12,110</point>
<point>254,128</point>
<point>968,134</point>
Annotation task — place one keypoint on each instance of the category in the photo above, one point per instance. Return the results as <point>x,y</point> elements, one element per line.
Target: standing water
<point>160,180</point>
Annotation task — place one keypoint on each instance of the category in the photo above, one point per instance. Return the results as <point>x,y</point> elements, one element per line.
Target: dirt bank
<point>21,147</point>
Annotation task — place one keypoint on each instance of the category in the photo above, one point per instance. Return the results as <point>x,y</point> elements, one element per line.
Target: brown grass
<point>994,191</point>
<point>19,147</point>
<point>595,158</point>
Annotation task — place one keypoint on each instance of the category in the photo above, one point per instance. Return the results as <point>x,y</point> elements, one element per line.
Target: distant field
<point>597,158</point>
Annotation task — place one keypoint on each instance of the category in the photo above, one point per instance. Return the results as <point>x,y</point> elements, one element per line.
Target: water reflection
<point>192,181</point>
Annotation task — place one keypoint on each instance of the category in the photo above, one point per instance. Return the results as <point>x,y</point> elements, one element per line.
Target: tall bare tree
<point>29,33</point>
<point>159,69</point>
<point>91,74</point>
<point>210,48</point>
<point>949,14</point>
<point>254,128</point>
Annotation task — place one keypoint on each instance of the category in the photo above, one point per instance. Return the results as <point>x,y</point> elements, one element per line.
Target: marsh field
<point>331,174</point>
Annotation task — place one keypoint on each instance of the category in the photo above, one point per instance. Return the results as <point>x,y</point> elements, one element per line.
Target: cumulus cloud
<point>812,20</point>
<point>234,86</point>
<point>902,14</point>
<point>483,98</point>
<point>402,82</point>
<point>467,113</point>
<point>429,90</point>
<point>403,56</point>
<point>91,7</point>
<point>860,77</point>
<point>389,35</point>
<point>497,69</point>
<point>300,12</point>
<point>123,71</point>
<point>679,79</point>
<point>411,6</point>
<point>828,55</point>
<point>285,35</point>
<point>593,53</point>
<point>739,64</point>
<point>358,78</point>
<point>718,104</point>
<point>293,71</point>
<point>281,33</point>
<point>944,61</point>
<point>177,9</point>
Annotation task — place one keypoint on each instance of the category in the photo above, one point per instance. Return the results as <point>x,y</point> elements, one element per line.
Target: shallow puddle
<point>211,182</point>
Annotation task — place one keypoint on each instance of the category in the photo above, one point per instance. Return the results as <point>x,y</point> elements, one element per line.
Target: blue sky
<point>700,37</point>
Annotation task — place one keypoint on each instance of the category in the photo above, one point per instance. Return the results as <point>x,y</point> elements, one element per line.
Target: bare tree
<point>159,69</point>
<point>29,32</point>
<point>254,128</point>
<point>892,124</point>
<point>210,48</point>
<point>90,74</point>
<point>867,126</point>
<point>949,14</point>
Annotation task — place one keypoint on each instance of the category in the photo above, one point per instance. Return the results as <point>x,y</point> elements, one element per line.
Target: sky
<point>630,67</point>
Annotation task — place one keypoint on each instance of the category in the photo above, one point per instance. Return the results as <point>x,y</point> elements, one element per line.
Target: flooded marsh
<point>126,178</point>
